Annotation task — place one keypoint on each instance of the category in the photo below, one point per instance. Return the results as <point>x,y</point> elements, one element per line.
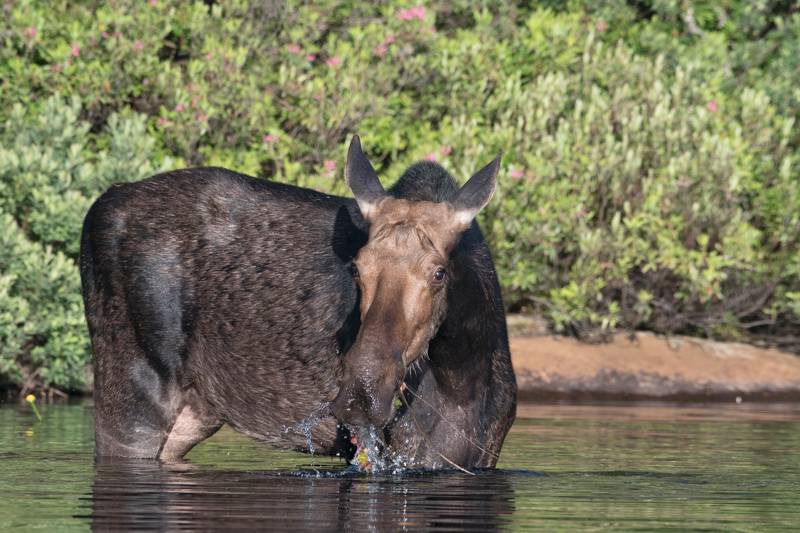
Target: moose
<point>297,317</point>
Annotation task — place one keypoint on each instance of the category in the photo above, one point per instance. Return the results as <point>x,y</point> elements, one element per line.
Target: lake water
<point>629,466</point>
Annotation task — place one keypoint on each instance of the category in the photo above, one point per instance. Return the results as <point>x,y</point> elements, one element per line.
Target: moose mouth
<point>371,444</point>
<point>370,395</point>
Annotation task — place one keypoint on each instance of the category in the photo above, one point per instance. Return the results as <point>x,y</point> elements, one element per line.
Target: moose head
<point>402,274</point>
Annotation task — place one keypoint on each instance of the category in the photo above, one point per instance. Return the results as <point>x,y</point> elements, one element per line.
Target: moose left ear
<point>362,180</point>
<point>476,193</point>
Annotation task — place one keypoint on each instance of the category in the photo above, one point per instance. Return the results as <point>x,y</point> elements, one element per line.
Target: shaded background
<point>650,148</point>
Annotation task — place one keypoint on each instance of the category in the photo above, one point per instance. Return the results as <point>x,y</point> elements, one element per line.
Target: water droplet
<point>305,426</point>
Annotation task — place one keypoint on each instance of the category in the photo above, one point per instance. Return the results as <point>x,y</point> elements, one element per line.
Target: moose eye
<point>354,271</point>
<point>438,274</point>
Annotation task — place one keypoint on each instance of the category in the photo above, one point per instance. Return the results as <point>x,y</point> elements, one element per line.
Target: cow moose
<point>296,317</point>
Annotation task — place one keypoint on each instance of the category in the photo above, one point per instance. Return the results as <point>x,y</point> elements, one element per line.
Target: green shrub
<point>650,168</point>
<point>50,172</point>
<point>41,316</point>
<point>648,204</point>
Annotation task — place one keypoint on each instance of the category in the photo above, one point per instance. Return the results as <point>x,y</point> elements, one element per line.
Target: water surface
<point>629,466</point>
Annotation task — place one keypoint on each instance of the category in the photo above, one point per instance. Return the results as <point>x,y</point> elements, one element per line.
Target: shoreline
<point>646,366</point>
<point>631,367</point>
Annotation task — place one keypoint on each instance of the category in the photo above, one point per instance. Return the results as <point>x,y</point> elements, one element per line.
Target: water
<point>634,467</point>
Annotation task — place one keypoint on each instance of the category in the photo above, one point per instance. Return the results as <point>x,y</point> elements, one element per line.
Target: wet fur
<point>212,298</point>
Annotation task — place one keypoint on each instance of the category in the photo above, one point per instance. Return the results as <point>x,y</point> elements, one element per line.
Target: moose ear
<point>362,180</point>
<point>476,193</point>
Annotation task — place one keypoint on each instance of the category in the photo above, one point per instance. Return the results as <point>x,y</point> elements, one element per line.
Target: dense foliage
<point>650,170</point>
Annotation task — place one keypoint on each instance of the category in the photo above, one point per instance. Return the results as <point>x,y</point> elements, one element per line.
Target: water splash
<point>372,455</point>
<point>307,424</point>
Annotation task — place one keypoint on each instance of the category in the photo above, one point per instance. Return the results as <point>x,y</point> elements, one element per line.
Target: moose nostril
<point>362,400</point>
<point>349,400</point>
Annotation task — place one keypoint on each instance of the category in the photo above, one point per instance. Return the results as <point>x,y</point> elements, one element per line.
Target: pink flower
<point>311,57</point>
<point>415,12</point>
<point>446,150</point>
<point>153,2</point>
<point>105,35</point>
<point>179,108</point>
<point>209,56</point>
<point>163,122</point>
<point>329,165</point>
<point>201,117</point>
<point>712,106</point>
<point>138,45</point>
<point>75,50</point>
<point>333,62</point>
<point>517,173</point>
<point>382,48</point>
<point>431,156</point>
<point>293,48</point>
<point>269,138</point>
<point>31,32</point>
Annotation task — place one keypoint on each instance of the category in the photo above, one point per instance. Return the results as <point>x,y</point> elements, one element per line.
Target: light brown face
<point>402,276</point>
<point>403,271</point>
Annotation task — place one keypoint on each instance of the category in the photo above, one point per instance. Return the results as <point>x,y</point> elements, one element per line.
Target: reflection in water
<point>605,467</point>
<point>139,495</point>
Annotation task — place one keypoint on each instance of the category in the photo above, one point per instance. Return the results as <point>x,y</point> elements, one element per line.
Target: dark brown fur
<point>213,298</point>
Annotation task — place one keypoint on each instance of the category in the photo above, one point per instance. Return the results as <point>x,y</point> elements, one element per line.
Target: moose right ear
<point>476,193</point>
<point>362,180</point>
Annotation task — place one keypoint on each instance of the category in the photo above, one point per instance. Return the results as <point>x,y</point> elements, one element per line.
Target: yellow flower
<point>31,399</point>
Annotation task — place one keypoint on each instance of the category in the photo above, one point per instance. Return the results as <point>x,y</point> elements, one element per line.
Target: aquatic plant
<point>31,399</point>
